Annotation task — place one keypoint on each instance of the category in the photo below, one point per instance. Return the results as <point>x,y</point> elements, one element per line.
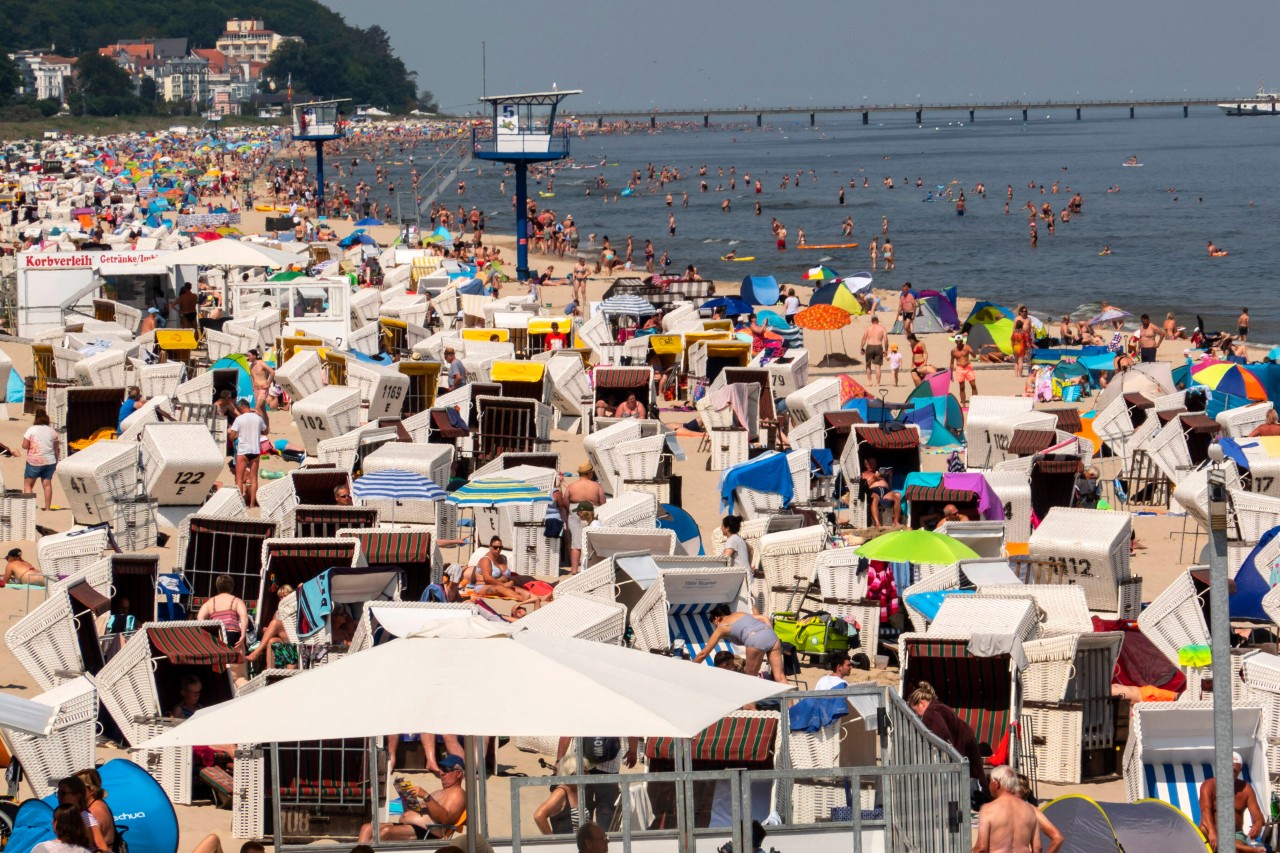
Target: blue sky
<point>695,53</point>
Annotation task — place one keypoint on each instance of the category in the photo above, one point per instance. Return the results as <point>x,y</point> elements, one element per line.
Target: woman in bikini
<point>226,607</point>
<point>491,577</point>
<point>919,360</point>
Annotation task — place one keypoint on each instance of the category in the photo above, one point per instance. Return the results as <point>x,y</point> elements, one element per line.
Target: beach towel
<point>882,588</point>
<point>928,603</point>
<point>820,461</point>
<point>768,472</point>
<point>735,395</point>
<point>813,715</point>
<point>989,503</point>
<point>314,605</point>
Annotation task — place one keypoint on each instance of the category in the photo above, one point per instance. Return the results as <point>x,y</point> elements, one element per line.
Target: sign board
<point>508,119</point>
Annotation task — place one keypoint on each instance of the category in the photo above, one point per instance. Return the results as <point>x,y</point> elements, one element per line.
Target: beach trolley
<point>96,477</point>
<point>180,463</point>
<point>1088,548</point>
<point>301,376</point>
<point>985,691</point>
<point>412,550</point>
<point>424,383</point>
<point>383,389</point>
<point>1170,753</point>
<point>571,393</point>
<point>293,561</point>
<point>1067,684</point>
<point>991,424</point>
<point>330,412</point>
<point>897,449</point>
<point>511,425</point>
<point>842,583</point>
<point>142,683</point>
<point>526,380</point>
<point>676,605</point>
<point>67,747</point>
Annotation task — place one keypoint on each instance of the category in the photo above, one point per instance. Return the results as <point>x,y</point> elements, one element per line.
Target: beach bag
<point>601,750</point>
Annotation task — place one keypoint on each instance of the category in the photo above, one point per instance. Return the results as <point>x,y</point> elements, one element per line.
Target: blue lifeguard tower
<point>318,122</point>
<point>523,132</point>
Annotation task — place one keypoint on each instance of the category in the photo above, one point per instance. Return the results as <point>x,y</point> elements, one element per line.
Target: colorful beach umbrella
<point>496,492</point>
<point>822,318</point>
<point>858,281</point>
<point>1226,378</point>
<point>821,273</point>
<point>628,305</point>
<point>835,293</point>
<point>851,389</point>
<point>396,485</point>
<point>916,546</point>
<point>1109,315</point>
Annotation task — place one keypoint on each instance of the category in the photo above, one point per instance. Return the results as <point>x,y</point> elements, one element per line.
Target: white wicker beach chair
<point>639,459</point>
<point>64,363</point>
<point>1175,618</point>
<point>752,530</point>
<point>382,389</point>
<point>1168,449</point>
<point>103,370</point>
<point>788,559</point>
<point>364,305</point>
<point>301,376</point>
<point>1169,753</point>
<point>180,463</point>
<point>629,509</point>
<point>68,747</point>
<point>990,426</point>
<point>844,595</point>
<point>1242,420</point>
<point>44,641</point>
<point>365,340</point>
<point>582,616</point>
<point>330,412</point>
<point>159,380</point>
<point>433,461</point>
<point>1250,515</point>
<point>603,542</point>
<point>675,607</point>
<point>60,554</point>
<point>602,444</point>
<point>96,476</point>
<point>1089,548</point>
<point>571,394</point>
<point>809,434</point>
<point>17,516</point>
<point>1014,490</point>
<point>814,398</point>
<point>1192,494</point>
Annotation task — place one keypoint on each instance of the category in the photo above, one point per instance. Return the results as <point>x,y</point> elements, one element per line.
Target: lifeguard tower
<point>523,132</point>
<point>319,122</point>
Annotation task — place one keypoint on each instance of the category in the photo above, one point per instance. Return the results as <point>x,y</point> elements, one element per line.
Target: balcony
<point>535,144</point>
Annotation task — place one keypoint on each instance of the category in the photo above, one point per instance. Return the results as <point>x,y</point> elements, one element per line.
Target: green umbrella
<point>916,546</point>
<point>287,275</point>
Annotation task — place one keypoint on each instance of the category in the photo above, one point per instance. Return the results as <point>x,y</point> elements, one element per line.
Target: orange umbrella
<point>822,318</point>
<point>851,389</point>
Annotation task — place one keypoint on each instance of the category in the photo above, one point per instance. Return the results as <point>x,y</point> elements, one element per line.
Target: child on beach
<point>895,362</point>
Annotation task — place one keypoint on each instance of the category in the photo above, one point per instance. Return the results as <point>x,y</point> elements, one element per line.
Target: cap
<point>586,468</point>
<point>450,762</point>
<point>153,310</point>
<point>1236,759</point>
<point>585,506</point>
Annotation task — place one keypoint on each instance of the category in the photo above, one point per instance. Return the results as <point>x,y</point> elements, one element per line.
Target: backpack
<point>601,750</point>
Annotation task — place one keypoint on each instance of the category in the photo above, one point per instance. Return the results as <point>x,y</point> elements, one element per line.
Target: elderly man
<point>342,495</point>
<point>428,815</point>
<point>1008,823</point>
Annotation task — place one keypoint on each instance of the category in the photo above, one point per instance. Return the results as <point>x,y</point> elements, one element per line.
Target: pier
<point>866,110</point>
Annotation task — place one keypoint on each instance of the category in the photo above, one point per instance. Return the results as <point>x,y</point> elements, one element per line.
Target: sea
<point>1207,177</point>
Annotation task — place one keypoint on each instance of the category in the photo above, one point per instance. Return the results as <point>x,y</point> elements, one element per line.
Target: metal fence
<point>926,812</point>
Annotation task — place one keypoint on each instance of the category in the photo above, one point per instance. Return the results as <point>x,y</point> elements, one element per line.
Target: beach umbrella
<point>208,235</point>
<point>396,485</point>
<point>857,282</point>
<point>916,546</point>
<point>369,220</point>
<point>851,389</point>
<point>1229,379</point>
<point>820,273</point>
<point>628,305</point>
<point>822,318</point>
<point>625,692</point>
<point>732,306</point>
<point>497,491</point>
<point>835,293</point>
<point>1109,315</point>
<point>826,319</point>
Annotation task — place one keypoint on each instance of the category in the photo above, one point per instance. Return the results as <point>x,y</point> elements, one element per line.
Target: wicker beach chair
<point>44,641</point>
<point>159,380</point>
<point>1169,753</point>
<point>571,393</point>
<point>601,445</point>
<point>68,747</point>
<point>95,477</point>
<point>603,542</point>
<point>814,398</point>
<point>991,424</point>
<point>844,595</point>
<point>675,607</point>
<point>383,389</point>
<point>1089,548</point>
<point>1249,516</point>
<point>301,376</point>
<point>752,530</point>
<point>1242,420</point>
<point>330,412</point>
<point>629,509</point>
<point>103,370</point>
<point>61,554</point>
<point>1175,618</point>
<point>788,560</point>
<point>582,616</point>
<point>180,463</point>
<point>139,683</point>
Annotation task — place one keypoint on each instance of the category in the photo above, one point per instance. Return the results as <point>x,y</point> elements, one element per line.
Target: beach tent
<point>760,290</point>
<point>686,529</point>
<point>928,317</point>
<point>995,323</point>
<point>244,382</point>
<point>944,305</point>
<point>940,418</point>
<point>1147,826</point>
<point>1253,581</point>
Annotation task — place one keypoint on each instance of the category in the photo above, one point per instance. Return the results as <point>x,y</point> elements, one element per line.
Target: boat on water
<point>1262,103</point>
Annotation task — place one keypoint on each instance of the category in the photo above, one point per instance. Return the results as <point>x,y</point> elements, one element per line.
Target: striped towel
<point>689,622</point>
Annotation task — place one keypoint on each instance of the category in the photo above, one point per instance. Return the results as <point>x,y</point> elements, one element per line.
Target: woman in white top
<point>735,547</point>
<point>41,444</point>
<point>70,833</point>
<point>791,305</point>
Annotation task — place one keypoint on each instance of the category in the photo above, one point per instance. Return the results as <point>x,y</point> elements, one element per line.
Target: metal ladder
<point>444,171</point>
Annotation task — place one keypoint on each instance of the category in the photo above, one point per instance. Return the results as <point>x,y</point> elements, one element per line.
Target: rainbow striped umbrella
<point>821,273</point>
<point>498,491</point>
<point>1228,378</point>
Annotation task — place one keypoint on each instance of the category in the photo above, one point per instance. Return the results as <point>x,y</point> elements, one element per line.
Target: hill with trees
<point>336,60</point>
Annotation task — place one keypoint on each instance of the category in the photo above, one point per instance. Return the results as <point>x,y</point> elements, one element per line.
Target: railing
<point>442,171</point>
<point>533,141</point>
<point>929,811</point>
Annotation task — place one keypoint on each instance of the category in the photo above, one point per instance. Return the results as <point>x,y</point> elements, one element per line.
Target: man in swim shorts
<point>1149,338</point>
<point>962,369</point>
<point>873,340</point>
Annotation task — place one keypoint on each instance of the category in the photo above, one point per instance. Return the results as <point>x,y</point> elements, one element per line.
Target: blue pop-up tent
<point>760,290</point>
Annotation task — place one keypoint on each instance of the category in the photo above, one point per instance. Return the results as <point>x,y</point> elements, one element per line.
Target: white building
<point>185,79</point>
<point>43,75</point>
<point>249,40</point>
